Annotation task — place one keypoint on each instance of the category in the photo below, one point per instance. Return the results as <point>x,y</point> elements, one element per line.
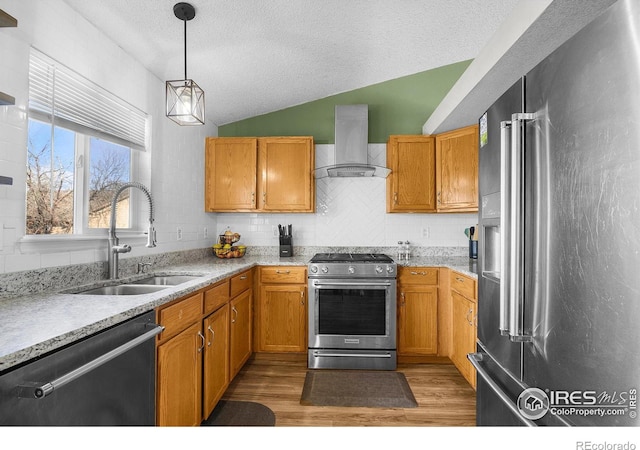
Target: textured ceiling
<point>252,57</point>
<point>534,30</point>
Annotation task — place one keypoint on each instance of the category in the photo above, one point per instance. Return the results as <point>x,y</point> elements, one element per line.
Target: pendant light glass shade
<point>185,102</point>
<point>185,99</point>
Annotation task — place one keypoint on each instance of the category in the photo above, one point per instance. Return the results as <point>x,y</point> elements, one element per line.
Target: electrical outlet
<point>426,232</point>
<point>205,233</point>
<point>179,233</point>
<point>274,231</point>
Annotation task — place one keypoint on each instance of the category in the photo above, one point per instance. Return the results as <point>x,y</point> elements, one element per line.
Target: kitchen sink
<point>145,286</point>
<point>166,280</point>
<point>124,289</point>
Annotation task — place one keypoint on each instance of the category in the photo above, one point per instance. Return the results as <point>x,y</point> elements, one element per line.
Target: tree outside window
<point>64,197</point>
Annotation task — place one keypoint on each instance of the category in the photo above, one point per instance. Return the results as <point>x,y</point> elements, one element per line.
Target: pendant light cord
<point>185,49</point>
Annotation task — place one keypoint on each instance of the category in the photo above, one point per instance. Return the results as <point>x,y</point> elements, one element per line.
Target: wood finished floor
<point>276,380</point>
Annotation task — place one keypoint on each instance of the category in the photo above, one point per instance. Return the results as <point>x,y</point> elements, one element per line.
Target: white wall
<point>352,212</point>
<point>176,154</point>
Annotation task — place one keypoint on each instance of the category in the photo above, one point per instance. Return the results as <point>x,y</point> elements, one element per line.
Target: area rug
<point>372,389</point>
<point>229,413</point>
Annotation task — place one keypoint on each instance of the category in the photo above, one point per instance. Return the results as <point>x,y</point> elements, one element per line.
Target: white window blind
<point>79,104</point>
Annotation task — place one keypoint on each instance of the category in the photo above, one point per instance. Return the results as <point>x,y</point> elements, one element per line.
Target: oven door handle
<point>318,354</point>
<point>361,283</point>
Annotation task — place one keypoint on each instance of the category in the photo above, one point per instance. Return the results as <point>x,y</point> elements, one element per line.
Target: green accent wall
<point>399,106</point>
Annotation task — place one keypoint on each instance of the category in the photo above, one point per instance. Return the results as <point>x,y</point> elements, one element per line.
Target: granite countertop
<point>33,325</point>
<point>460,264</point>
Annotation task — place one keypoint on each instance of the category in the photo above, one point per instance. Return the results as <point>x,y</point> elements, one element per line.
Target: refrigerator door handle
<point>505,198</point>
<point>476,361</point>
<point>516,241</point>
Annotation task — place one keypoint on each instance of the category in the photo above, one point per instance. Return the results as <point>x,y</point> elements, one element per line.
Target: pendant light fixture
<point>185,99</point>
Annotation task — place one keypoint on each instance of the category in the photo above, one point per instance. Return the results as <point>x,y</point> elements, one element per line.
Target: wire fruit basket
<point>228,238</point>
<point>230,252</point>
<point>225,248</point>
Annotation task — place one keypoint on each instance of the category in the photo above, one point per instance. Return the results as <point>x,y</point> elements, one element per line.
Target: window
<point>82,144</point>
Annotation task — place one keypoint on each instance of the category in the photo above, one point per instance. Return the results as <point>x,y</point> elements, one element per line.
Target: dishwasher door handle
<point>41,390</point>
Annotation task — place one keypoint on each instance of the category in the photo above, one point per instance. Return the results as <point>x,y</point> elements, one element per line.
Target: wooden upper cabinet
<point>273,174</point>
<point>230,174</point>
<point>411,183</point>
<point>286,181</point>
<point>457,170</point>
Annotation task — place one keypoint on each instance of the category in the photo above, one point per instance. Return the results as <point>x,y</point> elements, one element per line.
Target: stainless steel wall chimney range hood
<point>351,140</point>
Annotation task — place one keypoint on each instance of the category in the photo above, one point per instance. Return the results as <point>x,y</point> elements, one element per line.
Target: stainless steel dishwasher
<point>107,378</point>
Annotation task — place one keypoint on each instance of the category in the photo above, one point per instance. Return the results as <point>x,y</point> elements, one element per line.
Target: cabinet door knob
<point>213,335</point>
<point>469,313</point>
<point>235,311</point>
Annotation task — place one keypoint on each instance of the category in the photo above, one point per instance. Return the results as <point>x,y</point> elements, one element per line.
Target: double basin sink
<point>145,286</point>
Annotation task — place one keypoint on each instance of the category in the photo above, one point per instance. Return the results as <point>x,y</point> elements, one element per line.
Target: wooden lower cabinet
<point>180,379</point>
<point>464,334</point>
<point>281,310</point>
<point>216,359</point>
<point>240,331</point>
<point>206,341</point>
<point>463,323</point>
<point>417,311</point>
<point>283,318</point>
<point>418,321</point>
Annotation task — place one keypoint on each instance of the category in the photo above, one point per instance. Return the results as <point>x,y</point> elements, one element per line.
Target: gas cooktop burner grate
<point>351,258</point>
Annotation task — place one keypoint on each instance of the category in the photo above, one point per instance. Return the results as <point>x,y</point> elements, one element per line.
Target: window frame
<point>84,237</point>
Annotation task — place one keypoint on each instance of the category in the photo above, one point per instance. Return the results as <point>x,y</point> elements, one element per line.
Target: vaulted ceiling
<point>253,57</point>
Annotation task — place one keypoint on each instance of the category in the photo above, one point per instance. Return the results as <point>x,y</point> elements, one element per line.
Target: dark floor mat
<point>228,413</point>
<point>374,389</point>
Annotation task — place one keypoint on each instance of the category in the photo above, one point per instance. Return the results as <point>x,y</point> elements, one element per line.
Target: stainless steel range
<point>352,311</point>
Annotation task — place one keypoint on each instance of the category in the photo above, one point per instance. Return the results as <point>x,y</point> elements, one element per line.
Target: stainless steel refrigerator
<point>559,253</point>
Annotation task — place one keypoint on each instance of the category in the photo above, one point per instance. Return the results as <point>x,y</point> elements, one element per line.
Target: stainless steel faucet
<point>114,248</point>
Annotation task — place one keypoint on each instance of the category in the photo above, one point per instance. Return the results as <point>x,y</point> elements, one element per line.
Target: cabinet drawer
<point>283,274</point>
<point>240,282</point>
<point>463,285</point>
<point>179,315</point>
<point>418,275</point>
<point>216,297</point>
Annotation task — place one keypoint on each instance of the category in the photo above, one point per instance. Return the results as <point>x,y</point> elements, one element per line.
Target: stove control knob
<point>378,269</point>
<point>313,269</point>
<point>389,269</point>
<point>325,269</point>
<point>351,269</point>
